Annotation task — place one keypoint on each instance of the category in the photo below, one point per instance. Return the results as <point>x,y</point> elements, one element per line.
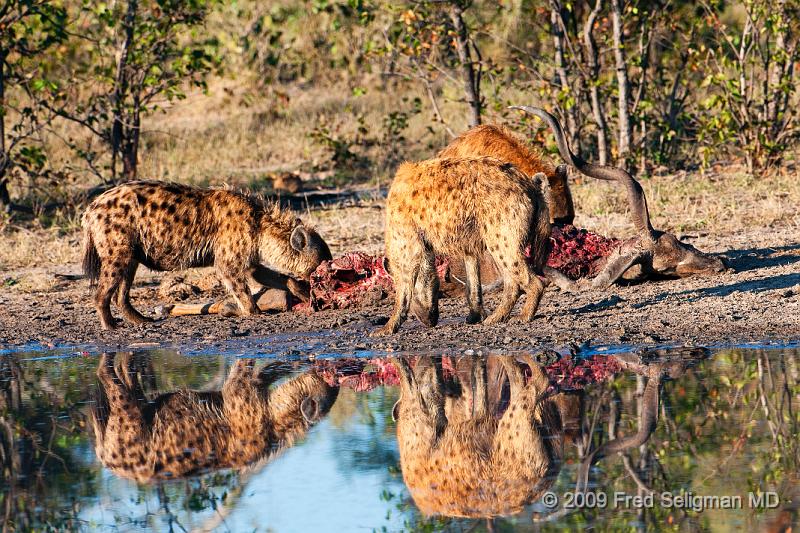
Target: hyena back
<point>489,140</point>
<point>462,208</point>
<point>167,226</point>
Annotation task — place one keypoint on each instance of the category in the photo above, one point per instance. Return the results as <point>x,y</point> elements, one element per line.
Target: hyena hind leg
<point>124,295</point>
<point>110,278</point>
<point>473,290</point>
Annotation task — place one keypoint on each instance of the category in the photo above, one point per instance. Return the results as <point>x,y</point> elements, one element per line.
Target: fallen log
<point>270,300</point>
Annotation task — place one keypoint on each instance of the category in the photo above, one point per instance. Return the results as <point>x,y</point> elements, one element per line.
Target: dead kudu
<point>651,253</point>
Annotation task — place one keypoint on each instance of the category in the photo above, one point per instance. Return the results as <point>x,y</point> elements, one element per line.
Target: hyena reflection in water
<point>184,432</point>
<point>497,445</point>
<point>478,454</point>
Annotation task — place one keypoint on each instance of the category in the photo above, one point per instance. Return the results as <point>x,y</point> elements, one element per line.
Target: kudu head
<point>676,259</point>
<point>657,251</point>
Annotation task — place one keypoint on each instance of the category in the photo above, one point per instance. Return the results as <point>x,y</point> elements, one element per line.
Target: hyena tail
<point>91,259</point>
<point>538,237</point>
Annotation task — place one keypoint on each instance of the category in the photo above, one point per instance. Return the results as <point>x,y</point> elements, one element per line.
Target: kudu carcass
<point>651,253</point>
<point>186,432</point>
<point>476,455</point>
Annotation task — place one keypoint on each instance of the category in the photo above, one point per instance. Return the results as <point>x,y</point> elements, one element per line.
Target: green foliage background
<point>83,82</point>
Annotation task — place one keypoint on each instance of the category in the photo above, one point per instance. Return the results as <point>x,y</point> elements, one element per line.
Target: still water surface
<point>652,441</point>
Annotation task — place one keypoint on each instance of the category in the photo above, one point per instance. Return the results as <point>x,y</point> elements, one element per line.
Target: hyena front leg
<point>235,280</point>
<point>124,295</point>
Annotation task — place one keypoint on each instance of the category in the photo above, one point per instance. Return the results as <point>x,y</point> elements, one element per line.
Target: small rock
<point>236,333</point>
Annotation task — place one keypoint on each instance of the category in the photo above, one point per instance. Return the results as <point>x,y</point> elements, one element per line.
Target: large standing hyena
<point>184,432</point>
<point>474,457</point>
<point>166,226</point>
<point>490,140</point>
<point>462,208</point>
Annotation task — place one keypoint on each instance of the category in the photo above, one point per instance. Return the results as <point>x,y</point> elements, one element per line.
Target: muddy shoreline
<point>758,302</point>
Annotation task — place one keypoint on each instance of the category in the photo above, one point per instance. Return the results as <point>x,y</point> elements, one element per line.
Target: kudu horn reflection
<point>656,372</point>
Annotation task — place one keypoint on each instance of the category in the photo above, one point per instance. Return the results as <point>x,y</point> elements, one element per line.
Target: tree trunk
<point>5,197</point>
<point>468,74</point>
<point>623,86</point>
<point>121,89</point>
<point>570,111</point>
<point>594,89</point>
<point>130,152</point>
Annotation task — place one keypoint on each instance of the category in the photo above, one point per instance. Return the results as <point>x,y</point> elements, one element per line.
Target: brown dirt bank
<point>760,301</point>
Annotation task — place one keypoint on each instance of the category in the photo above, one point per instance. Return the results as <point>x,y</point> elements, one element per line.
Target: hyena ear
<point>309,407</point>
<point>396,411</point>
<point>299,238</point>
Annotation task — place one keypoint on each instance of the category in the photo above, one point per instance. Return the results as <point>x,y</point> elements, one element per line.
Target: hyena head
<point>288,244</point>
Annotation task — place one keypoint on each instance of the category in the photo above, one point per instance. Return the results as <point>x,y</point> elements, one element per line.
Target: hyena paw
<point>475,317</point>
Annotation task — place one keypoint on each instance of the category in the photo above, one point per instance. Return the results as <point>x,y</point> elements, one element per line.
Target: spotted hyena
<point>184,432</point>
<point>470,456</point>
<point>460,208</point>
<point>490,140</point>
<point>166,226</point>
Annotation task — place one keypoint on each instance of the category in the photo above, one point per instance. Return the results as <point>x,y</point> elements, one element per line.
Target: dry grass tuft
<point>26,248</point>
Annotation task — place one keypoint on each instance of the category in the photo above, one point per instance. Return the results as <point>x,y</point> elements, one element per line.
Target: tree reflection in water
<point>666,421</point>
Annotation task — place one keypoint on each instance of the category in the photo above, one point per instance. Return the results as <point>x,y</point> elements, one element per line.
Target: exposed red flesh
<point>357,278</point>
<point>566,374</point>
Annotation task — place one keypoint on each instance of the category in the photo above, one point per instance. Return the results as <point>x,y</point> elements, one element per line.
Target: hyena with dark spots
<point>462,208</point>
<point>184,432</point>
<point>489,140</point>
<point>166,226</point>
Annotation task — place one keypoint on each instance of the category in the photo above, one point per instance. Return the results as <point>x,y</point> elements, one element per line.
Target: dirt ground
<point>757,301</point>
